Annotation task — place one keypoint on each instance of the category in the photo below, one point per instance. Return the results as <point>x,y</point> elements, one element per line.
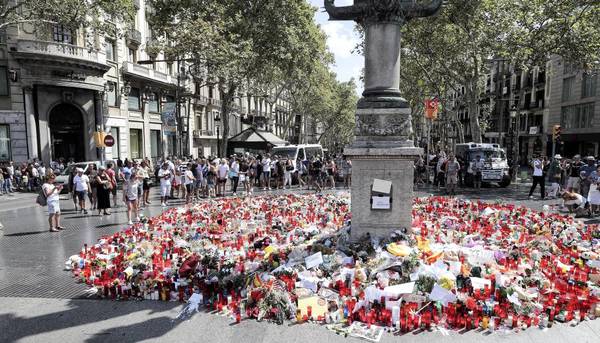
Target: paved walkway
<point>39,301</point>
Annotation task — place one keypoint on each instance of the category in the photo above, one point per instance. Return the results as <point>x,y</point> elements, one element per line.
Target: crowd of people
<point>21,177</point>
<point>94,186</point>
<point>449,171</point>
<point>576,181</point>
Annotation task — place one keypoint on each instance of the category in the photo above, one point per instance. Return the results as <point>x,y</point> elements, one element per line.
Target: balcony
<point>148,74</point>
<point>201,100</point>
<point>46,53</point>
<point>134,37</point>
<point>203,133</point>
<point>215,102</point>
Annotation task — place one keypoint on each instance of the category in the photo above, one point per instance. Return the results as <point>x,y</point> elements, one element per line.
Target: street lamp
<point>217,126</point>
<point>515,143</point>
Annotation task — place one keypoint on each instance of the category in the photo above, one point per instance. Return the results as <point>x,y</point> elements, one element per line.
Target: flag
<point>431,108</point>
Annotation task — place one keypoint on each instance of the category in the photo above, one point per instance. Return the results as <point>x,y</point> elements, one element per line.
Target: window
<point>135,143</point>
<point>5,143</point>
<point>569,68</point>
<point>577,116</point>
<point>61,34</point>
<point>169,68</point>
<point>155,144</point>
<point>132,55</point>
<point>111,95</point>
<point>210,92</point>
<point>568,91</point>
<point>115,150</point>
<point>588,85</point>
<point>4,81</point>
<point>110,47</point>
<point>133,100</point>
<point>153,105</point>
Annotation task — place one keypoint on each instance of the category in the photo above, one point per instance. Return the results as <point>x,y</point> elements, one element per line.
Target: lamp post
<point>515,143</point>
<point>217,126</point>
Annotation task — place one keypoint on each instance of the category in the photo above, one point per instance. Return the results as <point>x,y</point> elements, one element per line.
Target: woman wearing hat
<point>103,188</point>
<point>554,176</point>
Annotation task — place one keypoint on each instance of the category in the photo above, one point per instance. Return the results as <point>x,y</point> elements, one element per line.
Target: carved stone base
<point>395,165</point>
<point>383,128</point>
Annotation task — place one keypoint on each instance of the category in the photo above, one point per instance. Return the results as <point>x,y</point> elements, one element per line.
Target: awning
<point>253,140</point>
<point>253,135</point>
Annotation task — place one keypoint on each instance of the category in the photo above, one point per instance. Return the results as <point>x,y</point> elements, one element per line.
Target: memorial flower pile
<point>462,265</point>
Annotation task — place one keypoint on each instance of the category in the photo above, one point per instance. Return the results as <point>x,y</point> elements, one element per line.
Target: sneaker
<point>137,219</point>
<point>130,223</point>
<point>85,212</point>
<point>531,197</point>
<point>163,204</point>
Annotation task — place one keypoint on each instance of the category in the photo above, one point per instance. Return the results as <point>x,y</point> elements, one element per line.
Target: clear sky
<point>341,39</point>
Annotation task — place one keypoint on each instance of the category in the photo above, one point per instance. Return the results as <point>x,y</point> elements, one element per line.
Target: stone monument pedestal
<point>383,149</point>
<point>391,164</point>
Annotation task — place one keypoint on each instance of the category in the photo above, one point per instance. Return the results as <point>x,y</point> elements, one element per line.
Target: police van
<point>495,164</point>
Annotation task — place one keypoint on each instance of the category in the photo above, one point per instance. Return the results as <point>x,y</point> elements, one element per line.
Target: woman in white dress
<point>594,193</point>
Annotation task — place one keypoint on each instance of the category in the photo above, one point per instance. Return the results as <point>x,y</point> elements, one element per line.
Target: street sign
<point>109,141</point>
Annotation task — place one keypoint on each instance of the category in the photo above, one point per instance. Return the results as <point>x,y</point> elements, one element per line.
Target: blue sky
<point>341,39</point>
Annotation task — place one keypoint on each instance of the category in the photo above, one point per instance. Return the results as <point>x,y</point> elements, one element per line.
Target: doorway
<point>66,133</point>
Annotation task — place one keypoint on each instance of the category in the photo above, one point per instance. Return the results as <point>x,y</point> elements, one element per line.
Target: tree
<point>457,44</point>
<point>74,14</point>
<point>241,43</point>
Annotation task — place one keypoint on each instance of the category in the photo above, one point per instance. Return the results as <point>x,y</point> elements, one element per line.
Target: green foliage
<point>256,46</point>
<point>98,15</point>
<point>455,47</point>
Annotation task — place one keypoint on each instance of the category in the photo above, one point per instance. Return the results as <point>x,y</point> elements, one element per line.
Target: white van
<point>294,152</point>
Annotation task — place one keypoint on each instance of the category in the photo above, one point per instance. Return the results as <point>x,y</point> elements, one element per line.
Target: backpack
<point>41,198</point>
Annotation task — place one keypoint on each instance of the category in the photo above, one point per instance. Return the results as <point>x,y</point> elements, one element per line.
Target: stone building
<point>575,106</point>
<point>57,88</point>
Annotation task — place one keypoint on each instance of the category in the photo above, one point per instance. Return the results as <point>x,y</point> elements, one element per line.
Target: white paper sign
<point>381,203</point>
<point>313,260</point>
<point>439,293</point>
<point>397,290</point>
<point>382,186</point>
<point>479,283</point>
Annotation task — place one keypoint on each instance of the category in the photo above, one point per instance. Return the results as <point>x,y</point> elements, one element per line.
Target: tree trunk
<point>473,98</point>
<point>226,105</point>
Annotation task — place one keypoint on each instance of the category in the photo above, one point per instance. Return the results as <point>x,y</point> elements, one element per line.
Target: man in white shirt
<point>81,184</point>
<point>538,165</point>
<point>222,173</point>
<point>165,176</point>
<point>266,167</point>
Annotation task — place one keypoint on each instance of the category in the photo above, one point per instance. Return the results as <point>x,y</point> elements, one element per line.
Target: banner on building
<point>169,119</point>
<point>431,108</point>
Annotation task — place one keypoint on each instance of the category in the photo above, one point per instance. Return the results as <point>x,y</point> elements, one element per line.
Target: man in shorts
<point>574,170</point>
<point>81,185</point>
<point>165,176</point>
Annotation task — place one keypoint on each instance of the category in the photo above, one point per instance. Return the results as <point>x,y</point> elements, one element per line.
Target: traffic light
<point>556,133</point>
<point>99,139</point>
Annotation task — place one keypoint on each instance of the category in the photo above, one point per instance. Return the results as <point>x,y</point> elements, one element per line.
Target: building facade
<point>575,106</point>
<point>58,87</point>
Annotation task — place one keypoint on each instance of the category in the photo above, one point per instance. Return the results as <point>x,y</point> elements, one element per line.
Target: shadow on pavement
<point>25,233</point>
<point>83,312</point>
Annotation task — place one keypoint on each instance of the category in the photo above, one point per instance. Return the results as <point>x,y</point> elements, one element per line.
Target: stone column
<point>382,59</point>
<point>383,148</point>
<point>99,119</point>
<point>32,139</point>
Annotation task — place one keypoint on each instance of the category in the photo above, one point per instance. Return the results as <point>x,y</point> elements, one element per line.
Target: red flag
<point>431,108</point>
